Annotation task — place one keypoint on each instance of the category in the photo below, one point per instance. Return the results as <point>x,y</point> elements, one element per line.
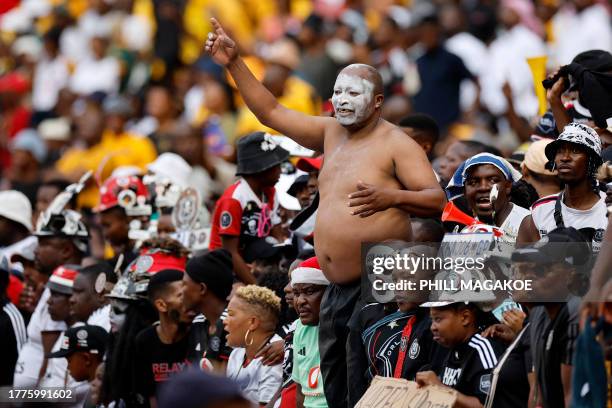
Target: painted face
<point>353,99</point>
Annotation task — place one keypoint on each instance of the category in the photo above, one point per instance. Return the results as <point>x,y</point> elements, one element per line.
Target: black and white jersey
<point>382,340</point>
<point>206,344</point>
<point>468,366</point>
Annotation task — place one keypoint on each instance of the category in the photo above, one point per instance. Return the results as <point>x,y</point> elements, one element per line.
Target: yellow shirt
<point>299,96</point>
<point>113,151</point>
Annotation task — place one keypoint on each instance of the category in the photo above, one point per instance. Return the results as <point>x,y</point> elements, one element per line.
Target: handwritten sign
<point>387,392</point>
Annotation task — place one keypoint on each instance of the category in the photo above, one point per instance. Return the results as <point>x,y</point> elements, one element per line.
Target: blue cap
<point>197,389</point>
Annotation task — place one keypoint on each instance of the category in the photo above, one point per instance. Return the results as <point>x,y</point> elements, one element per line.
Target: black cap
<point>566,245</point>
<point>215,269</point>
<point>258,152</point>
<point>88,338</point>
<point>299,183</point>
<point>197,389</point>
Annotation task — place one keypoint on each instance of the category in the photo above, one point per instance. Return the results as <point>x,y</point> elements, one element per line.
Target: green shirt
<point>306,360</point>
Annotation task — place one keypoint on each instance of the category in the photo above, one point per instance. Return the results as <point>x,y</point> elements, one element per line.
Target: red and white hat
<point>63,278</point>
<point>309,271</point>
<point>129,192</point>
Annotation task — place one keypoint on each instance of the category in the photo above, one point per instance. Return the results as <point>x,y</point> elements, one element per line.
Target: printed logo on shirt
<point>485,383</point>
<point>163,371</point>
<point>215,343</point>
<point>226,219</point>
<point>451,376</point>
<point>414,349</point>
<point>313,377</point>
<point>302,351</point>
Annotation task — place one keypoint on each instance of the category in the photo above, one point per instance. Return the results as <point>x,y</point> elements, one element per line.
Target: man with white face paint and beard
<point>373,179</point>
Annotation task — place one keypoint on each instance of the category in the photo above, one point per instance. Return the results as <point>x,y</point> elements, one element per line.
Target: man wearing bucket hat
<point>575,155</point>
<point>246,209</point>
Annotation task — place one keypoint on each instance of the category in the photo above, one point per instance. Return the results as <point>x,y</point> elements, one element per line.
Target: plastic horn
<point>452,213</point>
<point>538,72</point>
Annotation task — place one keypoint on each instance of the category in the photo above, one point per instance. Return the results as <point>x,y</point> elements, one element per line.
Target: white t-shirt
<point>543,210</point>
<point>101,317</point>
<point>50,77</point>
<point>31,355</point>
<point>507,63</point>
<point>511,224</point>
<point>93,75</point>
<point>258,382</point>
<point>578,32</point>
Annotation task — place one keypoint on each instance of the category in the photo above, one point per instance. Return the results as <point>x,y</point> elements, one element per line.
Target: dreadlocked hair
<point>120,371</point>
<point>592,170</point>
<point>173,247</point>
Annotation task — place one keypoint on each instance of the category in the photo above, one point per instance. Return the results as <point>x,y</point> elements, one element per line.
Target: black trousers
<point>340,304</point>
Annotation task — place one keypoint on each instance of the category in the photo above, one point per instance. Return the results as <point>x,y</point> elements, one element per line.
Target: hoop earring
<point>246,342</point>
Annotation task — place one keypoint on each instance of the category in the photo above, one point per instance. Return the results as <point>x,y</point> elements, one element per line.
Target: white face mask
<point>352,99</point>
<point>117,315</point>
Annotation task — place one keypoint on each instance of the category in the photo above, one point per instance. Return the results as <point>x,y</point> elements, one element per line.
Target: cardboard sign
<point>399,393</point>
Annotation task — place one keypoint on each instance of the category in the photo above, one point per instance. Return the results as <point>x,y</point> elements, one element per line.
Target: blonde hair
<point>604,173</point>
<point>260,297</point>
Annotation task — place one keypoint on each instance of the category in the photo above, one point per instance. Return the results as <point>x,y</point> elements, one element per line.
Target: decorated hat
<point>127,192</point>
<point>63,278</point>
<point>258,152</point>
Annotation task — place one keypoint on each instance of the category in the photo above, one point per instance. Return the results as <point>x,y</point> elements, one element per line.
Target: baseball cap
<point>16,207</point>
<point>171,166</point>
<point>535,158</point>
<point>197,389</point>
<point>299,182</point>
<point>310,164</point>
<point>62,279</point>
<point>564,244</point>
<point>55,129</point>
<point>30,141</point>
<point>87,338</point>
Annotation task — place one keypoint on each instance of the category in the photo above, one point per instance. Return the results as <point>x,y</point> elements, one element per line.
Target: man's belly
<point>338,237</point>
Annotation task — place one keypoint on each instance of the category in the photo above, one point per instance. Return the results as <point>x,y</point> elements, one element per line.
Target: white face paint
<point>352,99</point>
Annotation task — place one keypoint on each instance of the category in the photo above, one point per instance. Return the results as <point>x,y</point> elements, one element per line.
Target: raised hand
<point>221,48</point>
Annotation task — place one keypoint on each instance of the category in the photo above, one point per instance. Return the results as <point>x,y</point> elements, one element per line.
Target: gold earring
<point>245,338</point>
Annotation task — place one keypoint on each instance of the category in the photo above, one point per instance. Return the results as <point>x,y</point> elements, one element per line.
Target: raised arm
<point>308,131</point>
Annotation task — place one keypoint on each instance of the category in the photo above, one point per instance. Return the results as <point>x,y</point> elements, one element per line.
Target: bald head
<point>358,95</point>
<point>367,72</point>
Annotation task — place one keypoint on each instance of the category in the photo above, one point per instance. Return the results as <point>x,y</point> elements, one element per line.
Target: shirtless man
<point>374,177</point>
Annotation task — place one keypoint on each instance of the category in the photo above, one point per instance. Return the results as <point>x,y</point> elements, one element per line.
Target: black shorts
<point>339,306</point>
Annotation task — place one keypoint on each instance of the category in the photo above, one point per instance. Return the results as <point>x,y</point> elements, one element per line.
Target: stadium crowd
<point>187,187</point>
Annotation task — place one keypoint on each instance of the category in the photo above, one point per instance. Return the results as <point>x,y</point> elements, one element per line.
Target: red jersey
<point>239,213</point>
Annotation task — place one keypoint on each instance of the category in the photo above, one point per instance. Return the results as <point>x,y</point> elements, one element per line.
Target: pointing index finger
<point>218,29</point>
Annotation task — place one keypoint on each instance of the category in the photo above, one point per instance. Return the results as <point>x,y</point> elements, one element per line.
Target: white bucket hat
<point>15,206</point>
